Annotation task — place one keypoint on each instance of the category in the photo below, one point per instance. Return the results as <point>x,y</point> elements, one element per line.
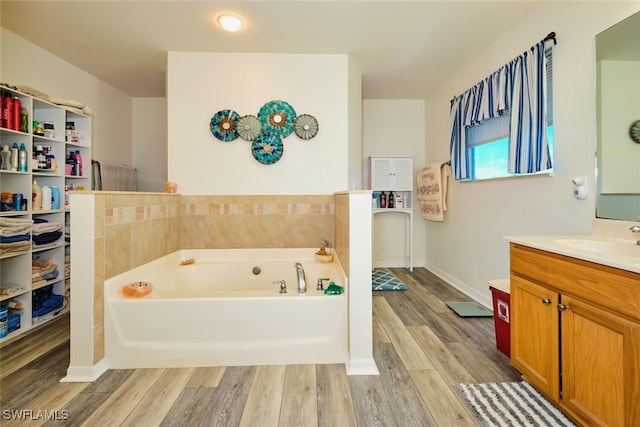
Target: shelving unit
<point>394,175</point>
<point>16,267</point>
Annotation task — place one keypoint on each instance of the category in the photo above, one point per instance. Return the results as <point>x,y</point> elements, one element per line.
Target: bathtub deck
<point>421,348</point>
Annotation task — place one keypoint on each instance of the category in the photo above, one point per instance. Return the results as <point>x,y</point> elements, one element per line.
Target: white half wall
<point>201,84</point>
<point>149,143</point>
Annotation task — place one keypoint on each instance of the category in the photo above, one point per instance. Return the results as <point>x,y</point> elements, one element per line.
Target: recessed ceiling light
<point>230,22</point>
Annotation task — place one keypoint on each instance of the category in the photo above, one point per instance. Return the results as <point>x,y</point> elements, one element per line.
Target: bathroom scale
<point>469,309</point>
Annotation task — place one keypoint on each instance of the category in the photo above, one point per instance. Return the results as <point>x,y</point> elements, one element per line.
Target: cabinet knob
<point>546,301</point>
<point>562,307</point>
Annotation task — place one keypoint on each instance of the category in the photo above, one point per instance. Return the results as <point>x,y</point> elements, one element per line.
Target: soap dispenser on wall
<point>580,187</point>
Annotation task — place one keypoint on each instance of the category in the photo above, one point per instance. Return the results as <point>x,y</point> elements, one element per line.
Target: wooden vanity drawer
<point>616,289</point>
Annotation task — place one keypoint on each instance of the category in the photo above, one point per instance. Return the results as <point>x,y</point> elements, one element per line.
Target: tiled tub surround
<point>130,229</point>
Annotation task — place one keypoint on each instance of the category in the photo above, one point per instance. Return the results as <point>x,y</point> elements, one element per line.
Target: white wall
<point>149,142</point>
<point>395,128</point>
<point>468,248</point>
<point>201,84</point>
<point>26,64</point>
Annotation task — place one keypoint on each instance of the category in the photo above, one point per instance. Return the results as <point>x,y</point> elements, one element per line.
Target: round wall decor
<point>305,126</point>
<point>223,125</point>
<point>267,148</point>
<point>634,131</point>
<point>277,117</point>
<point>249,127</point>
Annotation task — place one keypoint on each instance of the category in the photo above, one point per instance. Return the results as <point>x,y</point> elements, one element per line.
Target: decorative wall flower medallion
<point>249,127</point>
<point>224,125</point>
<point>305,126</point>
<point>277,117</point>
<point>267,148</point>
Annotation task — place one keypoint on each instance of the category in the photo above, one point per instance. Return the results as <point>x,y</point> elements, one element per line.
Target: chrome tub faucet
<point>635,229</point>
<point>302,281</point>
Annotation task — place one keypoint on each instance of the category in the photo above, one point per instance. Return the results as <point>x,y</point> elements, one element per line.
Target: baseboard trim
<point>362,367</point>
<point>482,298</point>
<point>85,374</point>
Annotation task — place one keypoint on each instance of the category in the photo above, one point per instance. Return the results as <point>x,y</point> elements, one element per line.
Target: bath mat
<point>383,280</point>
<point>510,404</point>
<point>469,309</point>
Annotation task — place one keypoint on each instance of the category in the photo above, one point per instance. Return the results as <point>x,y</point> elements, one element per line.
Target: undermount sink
<point>602,247</point>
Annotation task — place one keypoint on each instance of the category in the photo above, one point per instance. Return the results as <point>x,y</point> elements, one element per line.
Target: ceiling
<point>404,49</point>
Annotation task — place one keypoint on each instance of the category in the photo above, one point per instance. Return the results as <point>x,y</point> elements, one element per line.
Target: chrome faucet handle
<point>635,228</point>
<point>283,286</point>
<point>320,286</point>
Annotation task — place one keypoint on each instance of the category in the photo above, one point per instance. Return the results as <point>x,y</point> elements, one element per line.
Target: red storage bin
<point>500,290</point>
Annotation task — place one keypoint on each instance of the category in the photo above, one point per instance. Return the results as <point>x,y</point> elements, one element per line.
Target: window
<point>488,141</point>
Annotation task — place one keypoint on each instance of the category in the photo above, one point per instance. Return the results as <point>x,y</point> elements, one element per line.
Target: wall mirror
<point>618,107</point>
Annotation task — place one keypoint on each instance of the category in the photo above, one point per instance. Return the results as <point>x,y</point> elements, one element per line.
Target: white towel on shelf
<point>432,190</point>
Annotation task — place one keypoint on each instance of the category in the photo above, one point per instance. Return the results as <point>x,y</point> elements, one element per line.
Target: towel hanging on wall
<point>432,190</point>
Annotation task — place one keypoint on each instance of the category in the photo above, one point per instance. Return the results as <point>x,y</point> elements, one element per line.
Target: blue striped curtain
<point>518,88</point>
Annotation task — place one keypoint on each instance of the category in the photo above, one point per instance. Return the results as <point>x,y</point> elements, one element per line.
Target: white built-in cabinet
<point>65,130</point>
<point>392,179</point>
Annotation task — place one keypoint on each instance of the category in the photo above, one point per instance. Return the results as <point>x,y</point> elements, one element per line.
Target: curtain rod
<point>551,36</point>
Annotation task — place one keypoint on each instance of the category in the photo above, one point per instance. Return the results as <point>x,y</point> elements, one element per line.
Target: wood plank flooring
<point>421,348</point>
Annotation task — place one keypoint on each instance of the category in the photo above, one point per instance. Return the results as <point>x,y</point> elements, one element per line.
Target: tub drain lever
<point>283,285</point>
<point>320,285</point>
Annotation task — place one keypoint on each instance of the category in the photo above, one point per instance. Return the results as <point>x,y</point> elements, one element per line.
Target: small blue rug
<point>383,280</point>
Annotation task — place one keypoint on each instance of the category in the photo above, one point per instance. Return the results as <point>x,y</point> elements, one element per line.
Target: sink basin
<point>602,247</point>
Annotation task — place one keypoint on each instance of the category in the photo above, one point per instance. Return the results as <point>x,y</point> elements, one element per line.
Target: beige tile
<point>117,249</point>
<point>307,231</point>
<point>98,258</point>
<point>143,242</point>
<point>192,229</point>
<point>98,342</point>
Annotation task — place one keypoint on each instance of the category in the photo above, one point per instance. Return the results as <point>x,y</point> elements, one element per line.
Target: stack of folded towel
<point>45,232</point>
<point>43,270</point>
<point>15,235</point>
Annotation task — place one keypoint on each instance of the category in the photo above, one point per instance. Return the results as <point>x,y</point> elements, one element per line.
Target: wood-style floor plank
<point>299,403</point>
<point>225,409</point>
<point>119,405</point>
<point>409,351</point>
<point>265,397</point>
<point>189,408</point>
<point>206,377</point>
<point>157,402</point>
<point>370,402</point>
<point>403,396</point>
<point>335,407</point>
<point>441,399</point>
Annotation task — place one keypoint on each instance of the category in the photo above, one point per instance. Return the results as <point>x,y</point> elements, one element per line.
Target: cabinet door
<point>391,173</point>
<point>600,372</point>
<point>535,334</point>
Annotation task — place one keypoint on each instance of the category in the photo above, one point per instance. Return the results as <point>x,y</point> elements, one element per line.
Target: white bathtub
<point>217,312</point>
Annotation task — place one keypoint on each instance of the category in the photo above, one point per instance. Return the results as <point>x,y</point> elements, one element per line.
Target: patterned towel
<point>432,190</point>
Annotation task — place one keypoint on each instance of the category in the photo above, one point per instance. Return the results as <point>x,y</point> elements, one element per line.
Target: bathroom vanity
<point>575,325</point>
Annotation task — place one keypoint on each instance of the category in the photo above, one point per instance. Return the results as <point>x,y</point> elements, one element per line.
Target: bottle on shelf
<point>36,196</point>
<point>55,197</point>
<point>46,198</point>
<point>392,200</point>
<point>14,157</point>
<point>383,200</point>
<point>7,111</point>
<point>17,111</point>
<point>6,157</point>
<point>79,165</point>
<point>22,158</point>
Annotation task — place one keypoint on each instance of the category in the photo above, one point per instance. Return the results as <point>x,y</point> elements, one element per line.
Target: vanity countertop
<point>571,246</point>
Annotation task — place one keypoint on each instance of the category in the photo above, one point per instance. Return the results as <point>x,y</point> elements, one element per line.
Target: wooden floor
<point>421,348</point>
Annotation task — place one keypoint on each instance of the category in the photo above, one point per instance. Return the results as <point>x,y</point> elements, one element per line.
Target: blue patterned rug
<point>383,280</point>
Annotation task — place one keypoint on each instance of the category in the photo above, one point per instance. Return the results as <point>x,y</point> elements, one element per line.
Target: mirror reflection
<point>618,107</point>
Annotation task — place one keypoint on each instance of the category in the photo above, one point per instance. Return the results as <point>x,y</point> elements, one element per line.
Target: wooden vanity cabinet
<point>575,334</point>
